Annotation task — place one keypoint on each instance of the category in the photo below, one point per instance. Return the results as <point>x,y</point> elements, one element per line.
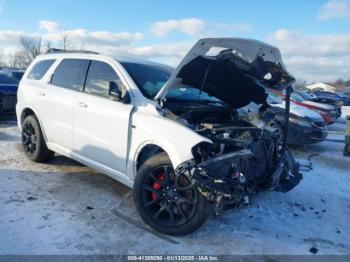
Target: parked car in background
<point>8,94</point>
<point>15,73</point>
<point>305,125</point>
<point>330,100</point>
<point>327,112</point>
<point>337,103</point>
<point>326,96</point>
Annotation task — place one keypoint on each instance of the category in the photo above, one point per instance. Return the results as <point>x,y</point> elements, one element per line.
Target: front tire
<point>167,202</point>
<point>33,141</point>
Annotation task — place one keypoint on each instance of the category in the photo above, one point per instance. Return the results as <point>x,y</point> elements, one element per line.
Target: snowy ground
<point>63,207</point>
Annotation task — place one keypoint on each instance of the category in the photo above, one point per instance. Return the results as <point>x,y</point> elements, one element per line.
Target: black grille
<point>8,102</point>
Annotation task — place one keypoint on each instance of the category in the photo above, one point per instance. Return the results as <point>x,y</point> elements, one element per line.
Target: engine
<point>244,152</point>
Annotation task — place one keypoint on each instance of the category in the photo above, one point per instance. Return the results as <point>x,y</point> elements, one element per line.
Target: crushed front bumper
<point>225,174</point>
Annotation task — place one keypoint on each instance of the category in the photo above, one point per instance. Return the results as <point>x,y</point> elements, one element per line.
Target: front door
<point>101,125</point>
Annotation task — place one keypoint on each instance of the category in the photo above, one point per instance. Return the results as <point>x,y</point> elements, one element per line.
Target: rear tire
<point>33,141</point>
<point>167,202</point>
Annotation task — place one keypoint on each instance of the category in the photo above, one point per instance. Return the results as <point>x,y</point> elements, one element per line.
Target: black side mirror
<point>115,93</point>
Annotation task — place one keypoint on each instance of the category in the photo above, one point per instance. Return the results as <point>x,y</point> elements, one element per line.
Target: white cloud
<point>335,9</point>
<point>111,43</point>
<point>170,53</point>
<point>49,26</point>
<point>314,57</point>
<point>242,26</point>
<point>10,37</point>
<point>53,32</point>
<point>190,26</point>
<point>197,27</point>
<point>310,57</point>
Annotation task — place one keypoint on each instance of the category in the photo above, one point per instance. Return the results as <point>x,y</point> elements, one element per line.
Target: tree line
<point>28,48</point>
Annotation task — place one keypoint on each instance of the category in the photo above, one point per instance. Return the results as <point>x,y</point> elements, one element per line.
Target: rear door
<point>101,125</point>
<point>54,101</point>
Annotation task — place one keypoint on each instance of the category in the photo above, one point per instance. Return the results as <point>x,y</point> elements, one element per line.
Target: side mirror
<point>114,91</point>
<point>116,94</point>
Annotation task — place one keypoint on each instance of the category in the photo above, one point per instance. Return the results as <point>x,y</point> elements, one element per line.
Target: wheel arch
<point>145,151</point>
<point>27,111</point>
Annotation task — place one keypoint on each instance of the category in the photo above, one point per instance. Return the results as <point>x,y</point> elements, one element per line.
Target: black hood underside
<point>233,80</point>
<point>234,70</point>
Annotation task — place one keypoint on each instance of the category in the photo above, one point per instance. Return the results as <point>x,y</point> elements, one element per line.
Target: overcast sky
<point>313,35</point>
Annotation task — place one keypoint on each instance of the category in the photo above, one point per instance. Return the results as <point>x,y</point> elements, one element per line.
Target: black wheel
<point>167,202</point>
<point>33,142</point>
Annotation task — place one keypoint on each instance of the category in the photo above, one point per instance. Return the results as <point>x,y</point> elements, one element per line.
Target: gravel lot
<point>63,207</point>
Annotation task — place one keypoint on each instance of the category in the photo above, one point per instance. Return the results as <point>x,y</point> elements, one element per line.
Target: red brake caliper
<point>157,185</point>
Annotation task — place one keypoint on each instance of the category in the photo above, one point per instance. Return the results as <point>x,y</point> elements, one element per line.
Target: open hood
<point>234,70</point>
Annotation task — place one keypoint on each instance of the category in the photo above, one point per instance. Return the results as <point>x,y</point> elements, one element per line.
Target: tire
<point>33,141</point>
<point>153,189</point>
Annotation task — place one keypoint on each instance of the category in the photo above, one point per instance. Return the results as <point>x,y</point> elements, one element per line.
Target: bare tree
<point>65,41</point>
<point>11,61</point>
<point>17,60</point>
<point>340,81</point>
<point>47,46</point>
<point>82,44</point>
<point>29,48</point>
<point>2,62</point>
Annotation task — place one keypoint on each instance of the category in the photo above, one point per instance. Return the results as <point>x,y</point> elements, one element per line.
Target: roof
<point>90,55</point>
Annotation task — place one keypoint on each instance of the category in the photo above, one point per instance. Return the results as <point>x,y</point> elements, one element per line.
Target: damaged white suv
<point>174,136</point>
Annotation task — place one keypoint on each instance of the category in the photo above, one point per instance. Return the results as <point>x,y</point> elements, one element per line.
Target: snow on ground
<point>62,207</point>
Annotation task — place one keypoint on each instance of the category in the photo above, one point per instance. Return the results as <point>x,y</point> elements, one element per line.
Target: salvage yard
<point>63,207</point>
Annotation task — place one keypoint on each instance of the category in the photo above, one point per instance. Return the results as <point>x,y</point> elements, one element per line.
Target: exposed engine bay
<point>244,158</point>
<point>248,152</point>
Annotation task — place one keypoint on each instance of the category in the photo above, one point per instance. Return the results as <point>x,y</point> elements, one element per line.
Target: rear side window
<point>98,78</point>
<point>39,69</point>
<point>70,74</point>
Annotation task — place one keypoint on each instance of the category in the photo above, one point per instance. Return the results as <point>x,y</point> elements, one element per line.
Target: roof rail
<point>56,50</point>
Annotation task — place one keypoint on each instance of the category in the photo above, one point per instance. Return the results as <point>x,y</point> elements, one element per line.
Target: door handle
<point>42,94</point>
<point>81,104</point>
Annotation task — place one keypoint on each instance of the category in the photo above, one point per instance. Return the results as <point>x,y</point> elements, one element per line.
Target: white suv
<point>175,136</point>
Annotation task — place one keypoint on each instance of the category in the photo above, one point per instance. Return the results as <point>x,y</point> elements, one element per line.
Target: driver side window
<point>99,76</point>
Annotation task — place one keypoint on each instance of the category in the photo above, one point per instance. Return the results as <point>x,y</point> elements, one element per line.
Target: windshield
<point>149,78</point>
<point>17,75</point>
<point>190,94</point>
